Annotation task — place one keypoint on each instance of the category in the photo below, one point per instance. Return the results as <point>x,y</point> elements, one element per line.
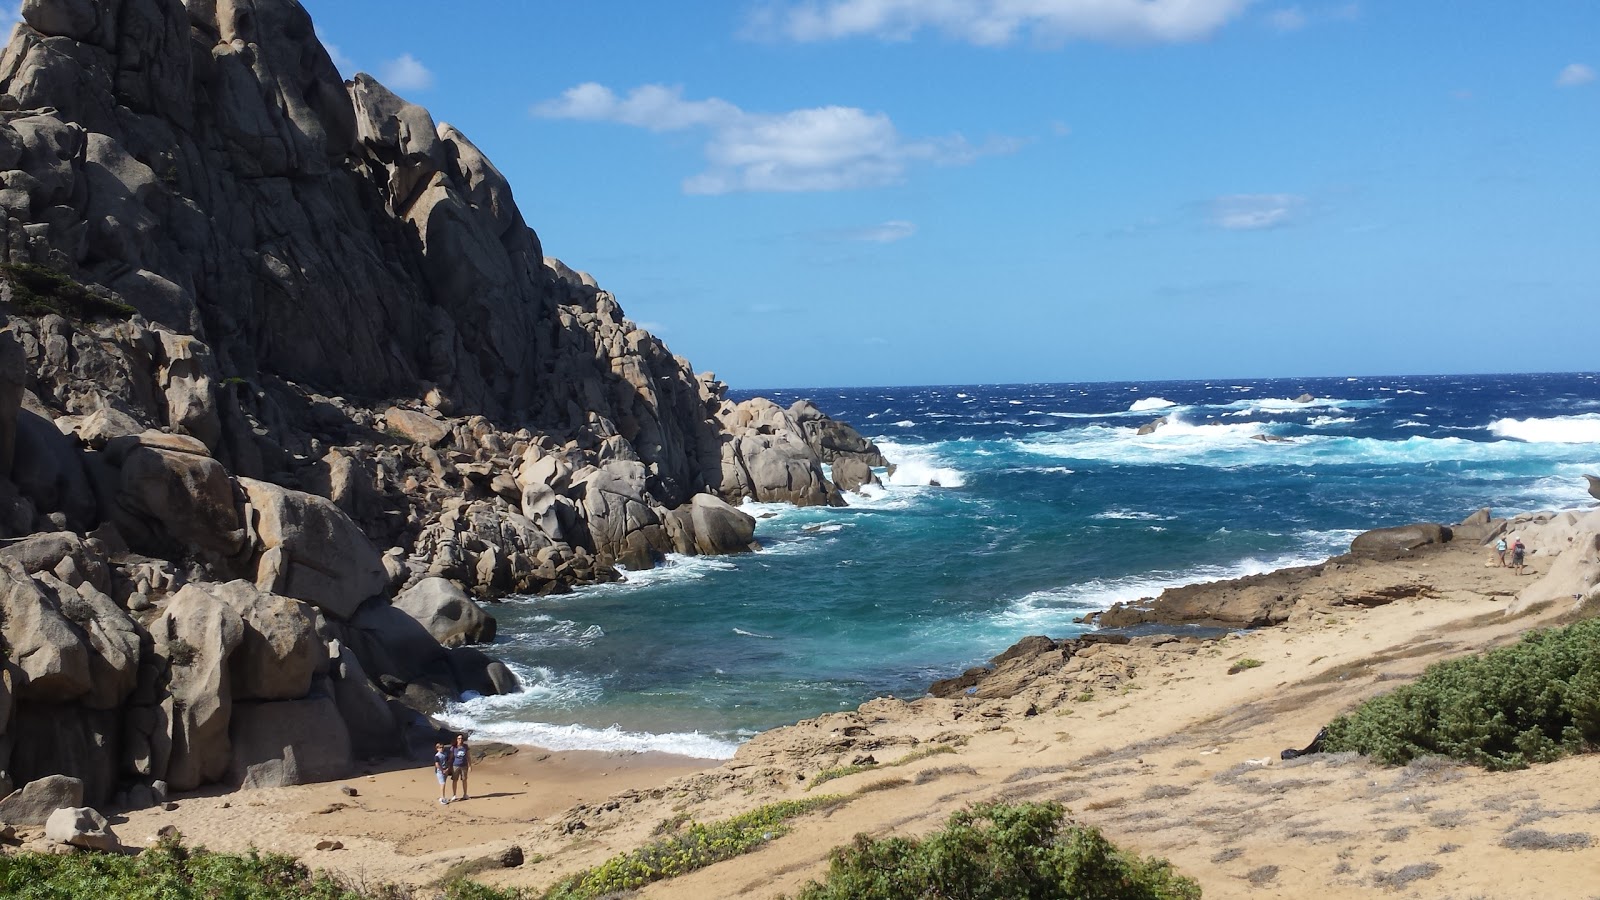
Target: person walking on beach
<point>441,769</point>
<point>1500,547</point>
<point>1518,551</point>
<point>460,762</point>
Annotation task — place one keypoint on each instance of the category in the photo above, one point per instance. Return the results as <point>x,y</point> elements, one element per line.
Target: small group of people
<point>450,765</point>
<point>1519,553</point>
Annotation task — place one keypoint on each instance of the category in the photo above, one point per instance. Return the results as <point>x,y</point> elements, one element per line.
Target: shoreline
<point>1164,742</point>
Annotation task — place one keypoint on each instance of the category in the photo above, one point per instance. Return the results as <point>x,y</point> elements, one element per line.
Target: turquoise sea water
<point>1013,510</point>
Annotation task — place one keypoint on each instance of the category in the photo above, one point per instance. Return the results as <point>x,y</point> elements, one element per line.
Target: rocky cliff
<point>284,378</point>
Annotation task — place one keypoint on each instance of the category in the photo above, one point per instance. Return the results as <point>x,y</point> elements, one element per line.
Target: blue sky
<point>860,192</point>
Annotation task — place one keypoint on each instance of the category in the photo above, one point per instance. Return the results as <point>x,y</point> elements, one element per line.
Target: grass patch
<point>1404,875</point>
<point>998,850</point>
<point>1243,664</point>
<point>696,846</point>
<point>924,753</point>
<point>1531,702</point>
<point>1534,839</point>
<point>40,291</point>
<point>827,775</point>
<point>927,775</point>
<point>883,784</point>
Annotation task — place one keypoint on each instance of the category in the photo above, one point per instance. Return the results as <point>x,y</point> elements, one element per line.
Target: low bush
<point>40,291</point>
<point>998,851</point>
<point>169,872</point>
<point>695,846</point>
<point>1532,702</point>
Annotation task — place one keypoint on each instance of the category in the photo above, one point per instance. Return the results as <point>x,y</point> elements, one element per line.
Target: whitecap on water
<point>919,465</point>
<point>1581,429</point>
<point>1150,403</point>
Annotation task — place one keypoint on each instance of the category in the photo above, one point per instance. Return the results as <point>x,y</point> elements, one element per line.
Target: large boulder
<point>1385,542</point>
<point>281,650</point>
<point>69,740</point>
<point>48,469</point>
<point>622,524</point>
<point>832,440</point>
<point>36,800</point>
<point>449,615</point>
<point>708,525</point>
<point>179,502</point>
<point>416,427</point>
<point>198,635</point>
<point>80,827</point>
<point>368,712</point>
<point>50,551</point>
<point>851,473</point>
<point>310,550</point>
<point>289,742</point>
<point>42,642</point>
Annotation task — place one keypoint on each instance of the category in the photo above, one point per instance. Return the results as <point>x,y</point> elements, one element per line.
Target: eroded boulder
<point>36,800</point>
<point>310,550</point>
<point>448,614</point>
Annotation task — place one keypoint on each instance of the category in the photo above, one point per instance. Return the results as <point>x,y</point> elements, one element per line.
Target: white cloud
<point>827,148</point>
<point>344,64</point>
<point>1253,212</point>
<point>1290,19</point>
<point>405,73</point>
<point>1295,18</point>
<point>882,233</point>
<point>998,22</point>
<point>1574,75</point>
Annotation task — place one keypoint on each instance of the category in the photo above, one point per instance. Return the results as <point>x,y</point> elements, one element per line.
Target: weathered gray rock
<point>289,742</point>
<point>1151,426</point>
<point>368,712</point>
<point>281,650</point>
<point>851,473</point>
<point>80,827</point>
<point>709,525</point>
<point>43,643</point>
<point>310,550</point>
<point>832,439</point>
<point>180,503</point>
<point>1400,539</point>
<point>36,800</point>
<point>198,634</point>
<point>1594,486</point>
<point>449,615</point>
<point>416,427</point>
<point>45,553</point>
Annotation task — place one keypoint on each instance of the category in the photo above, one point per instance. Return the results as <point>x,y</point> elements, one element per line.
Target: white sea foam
<point>673,568</point>
<point>1581,429</point>
<point>905,423</point>
<point>1132,514</point>
<point>1149,403</point>
<point>1053,609</point>
<point>1323,421</point>
<point>583,737</point>
<point>919,465</point>
<point>743,633</point>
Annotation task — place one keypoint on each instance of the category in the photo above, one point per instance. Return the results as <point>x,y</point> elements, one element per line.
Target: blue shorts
<point>439,774</point>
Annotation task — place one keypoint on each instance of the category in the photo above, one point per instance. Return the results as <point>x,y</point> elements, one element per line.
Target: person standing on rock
<point>1500,547</point>
<point>441,769</point>
<point>460,762</point>
<point>1518,552</point>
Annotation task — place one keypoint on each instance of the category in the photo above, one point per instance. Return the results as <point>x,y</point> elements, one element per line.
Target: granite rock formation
<point>278,349</point>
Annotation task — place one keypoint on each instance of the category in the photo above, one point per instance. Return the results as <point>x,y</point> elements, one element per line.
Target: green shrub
<point>1532,702</point>
<point>40,291</point>
<point>698,845</point>
<point>165,872</point>
<point>996,851</point>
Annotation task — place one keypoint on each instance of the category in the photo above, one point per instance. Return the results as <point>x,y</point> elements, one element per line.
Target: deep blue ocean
<point>1013,510</point>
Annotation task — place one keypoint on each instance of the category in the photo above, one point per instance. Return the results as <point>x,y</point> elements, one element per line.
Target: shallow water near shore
<point>1047,505</point>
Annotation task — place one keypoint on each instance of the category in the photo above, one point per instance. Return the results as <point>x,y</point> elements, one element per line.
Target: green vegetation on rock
<point>1532,702</point>
<point>40,291</point>
<point>695,846</point>
<point>996,851</point>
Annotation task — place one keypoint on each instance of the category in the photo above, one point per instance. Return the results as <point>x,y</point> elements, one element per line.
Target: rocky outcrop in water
<point>285,381</point>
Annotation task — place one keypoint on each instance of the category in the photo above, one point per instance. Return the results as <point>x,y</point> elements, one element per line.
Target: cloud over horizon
<point>405,73</point>
<point>993,23</point>
<point>827,148</point>
<point>1255,212</point>
<point>1574,75</point>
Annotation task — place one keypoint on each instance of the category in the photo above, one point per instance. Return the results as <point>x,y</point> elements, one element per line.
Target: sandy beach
<point>1153,741</point>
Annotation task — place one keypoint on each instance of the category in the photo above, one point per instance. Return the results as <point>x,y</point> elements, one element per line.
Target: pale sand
<point>1182,763</point>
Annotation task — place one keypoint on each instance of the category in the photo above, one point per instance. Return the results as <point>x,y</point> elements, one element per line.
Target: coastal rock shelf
<point>287,386</point>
